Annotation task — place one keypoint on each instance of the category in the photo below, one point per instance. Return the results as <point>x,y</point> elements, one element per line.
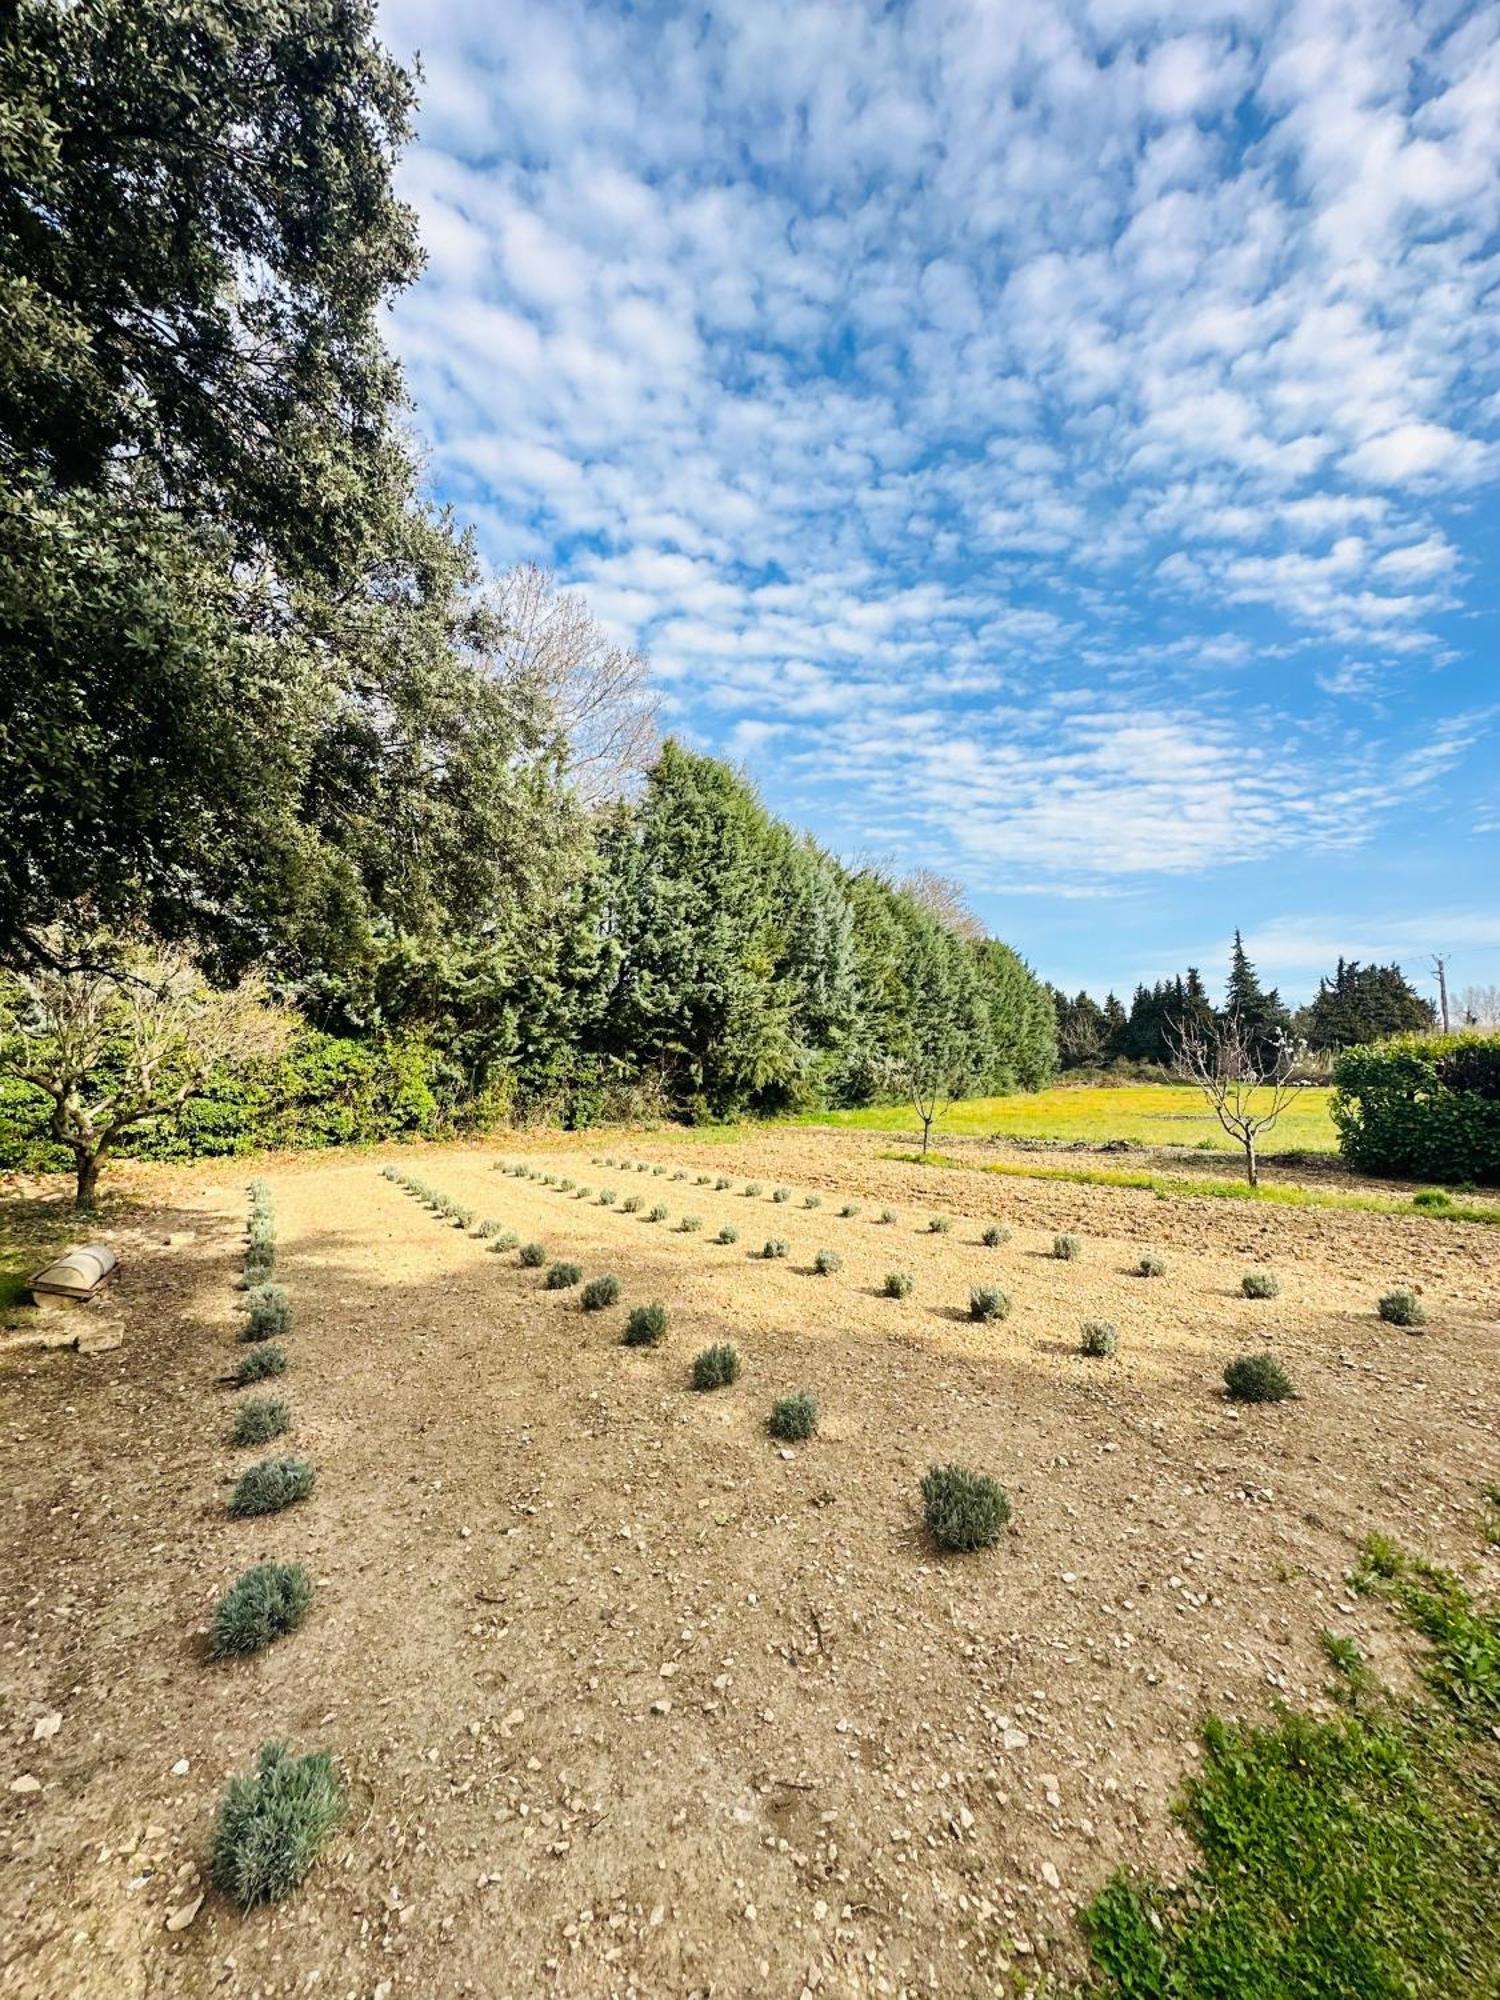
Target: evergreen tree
<point>1364,1003</point>
<point>1263,1020</point>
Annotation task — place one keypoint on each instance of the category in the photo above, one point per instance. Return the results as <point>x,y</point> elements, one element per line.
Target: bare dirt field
<point>630,1699</point>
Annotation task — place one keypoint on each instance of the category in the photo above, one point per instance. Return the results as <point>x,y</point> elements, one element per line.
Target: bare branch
<point>1247,1080</point>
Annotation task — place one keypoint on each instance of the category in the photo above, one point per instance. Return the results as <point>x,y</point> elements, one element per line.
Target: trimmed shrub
<point>775,1247</point>
<point>1432,1198</point>
<point>630,1205</point>
<point>793,1418</point>
<point>566,1186</point>
<point>939,1225</point>
<point>259,1419</point>
<point>461,1218</point>
<point>1402,1307</point>
<point>506,1240</point>
<point>723,1183</point>
<point>261,1234</point>
<point>607,1197</point>
<point>703,1180</point>
<point>657,1172</point>
<point>487,1230</point>
<point>1068,1248</point>
<point>752,1190</point>
<point>728,1234</point>
<point>1257,1378</point>
<point>599,1293</point>
<point>270,1826</point>
<point>680,1175</point>
<point>963,1510</point>
<point>888,1215</point>
<point>259,1264</point>
<point>716,1367</point>
<point>994,1235</point>
<point>827,1262</point>
<point>781,1194</point>
<point>562,1277</point>
<point>690,1225</point>
<point>812,1201</point>
<point>646,1326</point>
<point>849,1210</point>
<point>1151,1266</point>
<point>263,1605</point>
<point>898,1285</point>
<point>988,1302</point>
<point>656,1213</point>
<point>269,1310</point>
<point>260,1364</point>
<point>1421,1107</point>
<point>1260,1285</point>
<point>532,1256</point>
<point>1098,1338</point>
<point>268,1487</point>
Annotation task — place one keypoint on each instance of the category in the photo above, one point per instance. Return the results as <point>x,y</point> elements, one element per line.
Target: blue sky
<point>1054,444</point>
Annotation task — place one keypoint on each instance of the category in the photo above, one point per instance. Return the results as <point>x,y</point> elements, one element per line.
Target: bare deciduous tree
<point>942,898</point>
<point>1479,1006</point>
<point>600,693</point>
<point>116,1038</point>
<point>1247,1079</point>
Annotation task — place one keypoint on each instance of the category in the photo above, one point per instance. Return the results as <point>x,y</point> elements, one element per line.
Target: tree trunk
<point>926,1131</point>
<point>88,1178</point>
<point>1252,1165</point>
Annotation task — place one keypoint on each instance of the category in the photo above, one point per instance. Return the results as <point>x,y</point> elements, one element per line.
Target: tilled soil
<point>628,1698</point>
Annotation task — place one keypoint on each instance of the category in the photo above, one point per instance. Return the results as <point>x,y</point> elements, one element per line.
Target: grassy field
<point>1150,1114</point>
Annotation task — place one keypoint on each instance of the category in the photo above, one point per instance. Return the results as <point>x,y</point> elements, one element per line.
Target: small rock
<point>662,1707</point>
<point>1050,1876</point>
<point>180,1919</point>
<point>181,1768</point>
<point>46,1727</point>
<point>26,1783</point>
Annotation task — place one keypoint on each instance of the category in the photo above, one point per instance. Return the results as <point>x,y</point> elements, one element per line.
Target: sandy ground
<point>630,1699</point>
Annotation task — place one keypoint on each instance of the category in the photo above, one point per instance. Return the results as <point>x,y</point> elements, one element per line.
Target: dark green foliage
<point>716,1367</point>
<point>994,1235</point>
<point>827,1262</point>
<point>940,1225</point>
<point>600,1292</point>
<point>562,1277</point>
<point>963,1510</point>
<point>646,1326</point>
<point>260,1364</point>
<point>775,1247</point>
<point>271,1826</point>
<point>532,1256</point>
<point>268,1312</point>
<point>898,1285</point>
<point>1098,1339</point>
<point>1402,1307</point>
<point>728,1234</point>
<point>263,1605</point>
<point>268,1487</point>
<point>1257,1378</point>
<point>259,1419</point>
<point>1260,1285</point>
<point>1424,1107</point>
<point>1465,1664</point>
<point>793,1418</point>
<point>1364,1003</point>
<point>1432,1198</point>
<point>1151,1266</point>
<point>987,1302</point>
<point>1067,1248</point>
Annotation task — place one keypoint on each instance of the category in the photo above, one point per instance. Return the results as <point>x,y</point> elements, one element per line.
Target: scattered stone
<point>26,1783</point>
<point>181,1768</point>
<point>181,1918</point>
<point>46,1727</point>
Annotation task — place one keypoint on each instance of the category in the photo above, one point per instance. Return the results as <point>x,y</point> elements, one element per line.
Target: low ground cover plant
<point>1151,1266</point>
<point>656,1213</point>
<point>939,1225</point>
<point>728,1234</point>
<point>849,1210</point>
<point>268,1312</point>
<point>532,1256</point>
<point>1402,1307</point>
<point>260,1364</point>
<point>259,1419</point>
<point>793,1419</point>
<point>1257,1378</point>
<point>988,1302</point>
<point>1260,1285</point>
<point>562,1277</point>
<point>827,1262</point>
<point>646,1326</point>
<point>994,1235</point>
<point>271,1825</point>
<point>781,1194</point>
<point>690,1225</point>
<point>1067,1248</point>
<point>269,1486</point>
<point>261,1606</point>
<point>506,1240</point>
<point>897,1285</point>
<point>963,1510</point>
<point>600,1292</point>
<point>775,1247</point>
<point>1098,1338</point>
<point>716,1367</point>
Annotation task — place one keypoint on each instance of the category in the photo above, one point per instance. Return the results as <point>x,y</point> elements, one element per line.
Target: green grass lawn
<point>1151,1114</point>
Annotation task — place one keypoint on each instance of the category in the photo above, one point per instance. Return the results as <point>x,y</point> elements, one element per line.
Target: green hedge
<point>324,1090</point>
<point>1426,1107</point>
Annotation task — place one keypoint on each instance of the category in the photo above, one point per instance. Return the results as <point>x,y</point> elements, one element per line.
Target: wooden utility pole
<point>1439,964</point>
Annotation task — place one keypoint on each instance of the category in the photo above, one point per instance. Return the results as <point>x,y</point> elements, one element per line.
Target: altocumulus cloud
<point>1048,437</point>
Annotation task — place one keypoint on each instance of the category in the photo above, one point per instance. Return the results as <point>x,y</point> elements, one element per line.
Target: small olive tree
<point>1247,1077</point>
<point>115,1036</point>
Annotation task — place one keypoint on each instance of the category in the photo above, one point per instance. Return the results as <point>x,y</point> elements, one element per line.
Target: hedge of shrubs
<point>1423,1107</point>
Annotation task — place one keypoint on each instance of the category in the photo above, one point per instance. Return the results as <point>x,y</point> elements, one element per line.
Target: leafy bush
<point>656,1213</point>
<point>506,1240</point>
<point>562,1277</point>
<point>827,1262</point>
<point>600,1292</point>
<point>1260,1285</point>
<point>849,1210</point>
<point>988,1302</point>
<point>793,1418</point>
<point>752,1190</point>
<point>532,1256</point>
<point>1098,1338</point>
<point>270,1826</point>
<point>646,1326</point>
<point>486,1230</point>
<point>723,1183</point>
<point>264,1604</point>
<point>461,1218</point>
<point>260,1262</point>
<point>1432,1198</point>
<point>898,1285</point>
<point>630,1205</point>
<point>781,1194</point>
<point>566,1186</point>
<point>680,1175</point>
<point>775,1247</point>
<point>939,1225</point>
<point>812,1201</point>
<point>268,1487</point>
<point>261,1233</point>
<point>703,1180</point>
<point>888,1215</point>
<point>259,1419</point>
<point>690,1225</point>
<point>1151,1266</point>
<point>607,1197</point>
<point>260,1364</point>
<point>716,1367</point>
<point>657,1172</point>
<point>728,1234</point>
<point>1402,1307</point>
<point>994,1235</point>
<point>1257,1378</point>
<point>1067,1248</point>
<point>269,1312</point>
<point>1421,1107</point>
<point>963,1510</point>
